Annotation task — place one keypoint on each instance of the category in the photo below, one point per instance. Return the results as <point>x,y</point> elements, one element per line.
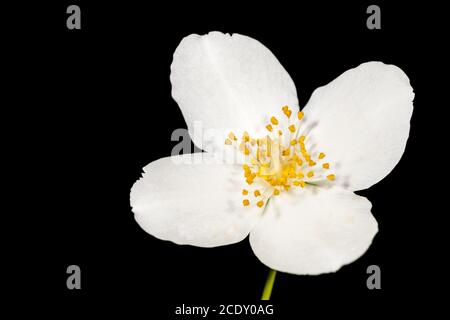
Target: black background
<point>95,107</point>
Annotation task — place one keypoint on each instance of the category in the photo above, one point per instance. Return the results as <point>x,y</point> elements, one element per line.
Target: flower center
<point>279,161</point>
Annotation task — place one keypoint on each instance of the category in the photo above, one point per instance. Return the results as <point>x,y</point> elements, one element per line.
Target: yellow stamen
<point>246,137</point>
<point>287,111</point>
<point>300,115</point>
<point>275,163</point>
<point>232,136</point>
<point>274,121</point>
<point>292,128</point>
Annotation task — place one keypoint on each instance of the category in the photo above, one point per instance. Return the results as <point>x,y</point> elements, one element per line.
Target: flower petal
<point>361,121</point>
<point>192,202</point>
<point>317,232</point>
<point>228,82</point>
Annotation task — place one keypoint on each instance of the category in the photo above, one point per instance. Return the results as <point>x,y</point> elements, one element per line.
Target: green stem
<point>269,285</point>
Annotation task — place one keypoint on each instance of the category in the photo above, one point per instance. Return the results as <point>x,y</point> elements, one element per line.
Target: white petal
<point>228,82</point>
<point>192,203</point>
<point>316,232</point>
<point>361,121</point>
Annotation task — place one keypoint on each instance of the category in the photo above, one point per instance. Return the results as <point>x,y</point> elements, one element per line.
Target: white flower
<point>353,132</point>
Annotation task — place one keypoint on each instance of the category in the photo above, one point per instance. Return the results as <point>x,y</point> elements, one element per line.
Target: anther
<point>286,111</point>
<point>232,136</point>
<point>274,121</point>
<point>292,128</point>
